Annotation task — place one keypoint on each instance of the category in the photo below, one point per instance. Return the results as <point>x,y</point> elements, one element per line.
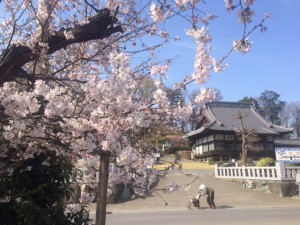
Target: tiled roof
<point>221,118</point>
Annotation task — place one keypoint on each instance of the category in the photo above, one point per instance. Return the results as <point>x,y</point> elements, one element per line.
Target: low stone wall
<point>120,192</point>
<point>280,188</point>
<point>284,188</point>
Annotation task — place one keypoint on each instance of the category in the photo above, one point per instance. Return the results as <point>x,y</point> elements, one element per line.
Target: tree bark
<point>102,189</point>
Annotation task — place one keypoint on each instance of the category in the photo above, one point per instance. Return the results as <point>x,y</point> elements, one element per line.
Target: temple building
<point>222,127</point>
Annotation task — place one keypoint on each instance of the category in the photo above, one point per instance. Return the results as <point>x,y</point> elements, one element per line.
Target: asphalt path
<point>229,216</point>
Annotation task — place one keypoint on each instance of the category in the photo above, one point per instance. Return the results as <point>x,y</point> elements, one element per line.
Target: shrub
<point>211,162</point>
<point>249,162</point>
<point>266,162</point>
<point>35,193</point>
<point>219,163</point>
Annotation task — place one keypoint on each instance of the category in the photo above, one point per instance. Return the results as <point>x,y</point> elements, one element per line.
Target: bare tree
<point>290,117</point>
<point>245,134</point>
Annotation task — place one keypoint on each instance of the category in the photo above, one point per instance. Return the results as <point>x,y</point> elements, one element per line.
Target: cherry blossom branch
<point>90,5</point>
<point>223,58</point>
<point>244,36</point>
<point>17,56</point>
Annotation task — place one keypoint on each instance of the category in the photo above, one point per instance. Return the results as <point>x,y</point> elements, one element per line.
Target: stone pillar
<point>280,171</point>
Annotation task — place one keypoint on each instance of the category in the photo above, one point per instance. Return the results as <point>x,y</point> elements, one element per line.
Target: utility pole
<point>102,188</point>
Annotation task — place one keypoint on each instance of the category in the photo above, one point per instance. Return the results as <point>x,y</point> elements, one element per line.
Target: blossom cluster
<point>160,70</point>
<point>242,46</point>
<point>205,95</point>
<point>73,208</point>
<point>201,35</point>
<point>245,15</point>
<point>156,13</point>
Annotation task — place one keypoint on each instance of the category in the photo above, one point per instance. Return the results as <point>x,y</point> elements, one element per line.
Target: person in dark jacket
<point>210,195</point>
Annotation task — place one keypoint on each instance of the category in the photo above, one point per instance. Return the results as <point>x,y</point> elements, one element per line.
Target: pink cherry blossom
<point>242,46</point>
<point>156,13</point>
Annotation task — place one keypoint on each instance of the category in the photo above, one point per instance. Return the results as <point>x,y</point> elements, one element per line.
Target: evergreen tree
<point>271,106</point>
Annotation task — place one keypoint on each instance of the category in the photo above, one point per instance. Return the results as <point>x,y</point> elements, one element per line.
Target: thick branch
<point>17,56</point>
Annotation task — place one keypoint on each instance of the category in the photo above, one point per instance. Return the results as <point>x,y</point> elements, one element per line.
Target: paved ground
<point>227,195</point>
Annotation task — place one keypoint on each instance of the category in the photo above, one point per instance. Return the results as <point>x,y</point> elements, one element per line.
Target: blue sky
<point>272,64</point>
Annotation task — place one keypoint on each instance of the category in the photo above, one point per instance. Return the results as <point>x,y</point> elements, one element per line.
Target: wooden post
<point>102,188</point>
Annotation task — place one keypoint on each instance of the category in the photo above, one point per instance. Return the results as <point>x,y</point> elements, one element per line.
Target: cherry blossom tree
<point>70,72</point>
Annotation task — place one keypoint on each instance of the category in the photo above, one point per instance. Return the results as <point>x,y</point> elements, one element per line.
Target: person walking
<point>210,195</point>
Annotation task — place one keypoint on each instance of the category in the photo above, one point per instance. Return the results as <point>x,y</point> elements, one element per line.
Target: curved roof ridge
<point>195,132</point>
<point>260,117</point>
<point>270,125</point>
<point>212,115</point>
<point>282,127</point>
<point>210,124</point>
<point>272,131</point>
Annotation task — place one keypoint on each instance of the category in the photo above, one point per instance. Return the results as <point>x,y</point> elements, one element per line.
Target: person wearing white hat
<point>210,195</point>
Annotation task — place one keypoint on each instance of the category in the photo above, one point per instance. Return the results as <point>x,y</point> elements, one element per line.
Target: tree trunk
<point>102,189</point>
<point>244,150</point>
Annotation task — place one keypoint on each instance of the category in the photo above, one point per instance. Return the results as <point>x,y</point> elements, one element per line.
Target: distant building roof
<point>286,142</point>
<point>220,117</point>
